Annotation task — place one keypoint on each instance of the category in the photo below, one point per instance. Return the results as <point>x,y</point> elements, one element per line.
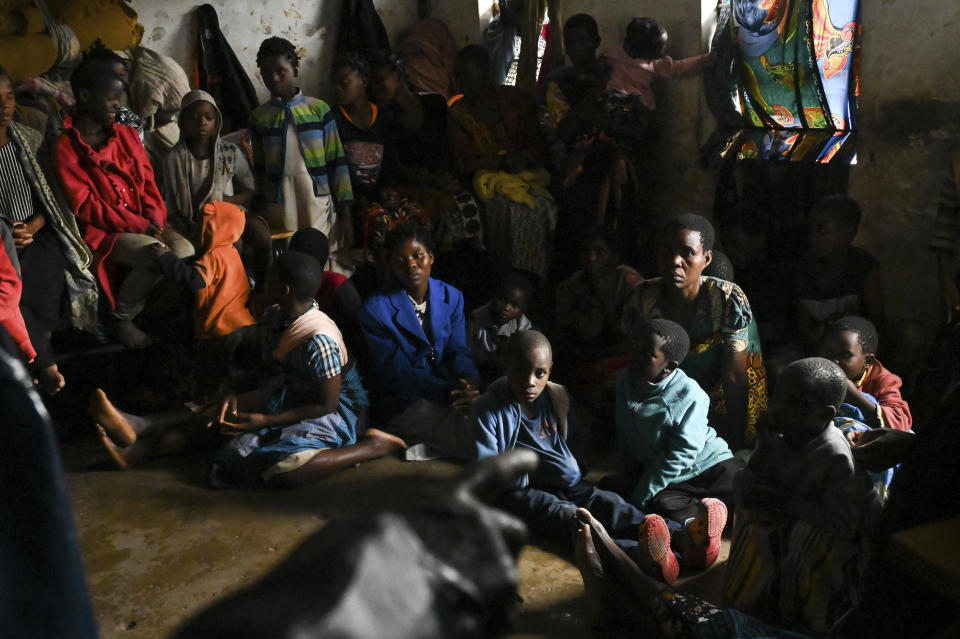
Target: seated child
<point>297,154</point>
<point>873,392</point>
<point>337,296</point>
<point>516,413</point>
<point>807,508</point>
<point>303,422</point>
<point>490,326</point>
<point>672,458</point>
<point>221,286</point>
<point>587,320</point>
<point>203,167</point>
<point>110,186</point>
<point>835,278</point>
<point>643,58</point>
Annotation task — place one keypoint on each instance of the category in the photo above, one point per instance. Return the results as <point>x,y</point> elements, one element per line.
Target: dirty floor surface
<point>158,546</point>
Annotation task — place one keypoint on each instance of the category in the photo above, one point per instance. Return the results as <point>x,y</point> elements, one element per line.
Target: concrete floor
<point>158,546</point>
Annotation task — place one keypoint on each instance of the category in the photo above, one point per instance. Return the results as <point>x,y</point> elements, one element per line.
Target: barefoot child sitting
<point>672,458</point>
<point>807,508</point>
<point>491,325</point>
<point>516,413</point>
<point>218,279</point>
<point>874,392</point>
<point>309,409</point>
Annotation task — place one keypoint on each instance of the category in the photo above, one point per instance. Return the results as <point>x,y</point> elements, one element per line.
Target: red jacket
<point>10,316</point>
<point>111,190</point>
<point>885,388</point>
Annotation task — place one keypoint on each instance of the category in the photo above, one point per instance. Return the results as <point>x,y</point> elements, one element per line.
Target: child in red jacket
<point>110,186</point>
<point>851,342</point>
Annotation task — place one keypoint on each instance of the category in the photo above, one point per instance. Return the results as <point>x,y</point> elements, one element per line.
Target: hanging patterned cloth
<point>790,69</point>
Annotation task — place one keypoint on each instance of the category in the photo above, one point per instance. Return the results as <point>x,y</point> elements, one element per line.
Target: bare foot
<point>118,455</point>
<point>127,333</point>
<point>384,442</point>
<point>50,380</point>
<point>618,594</point>
<point>105,415</point>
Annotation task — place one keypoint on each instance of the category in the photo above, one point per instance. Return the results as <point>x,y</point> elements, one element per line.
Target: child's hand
<point>154,231</point>
<point>880,448</point>
<point>243,422</point>
<point>228,406</point>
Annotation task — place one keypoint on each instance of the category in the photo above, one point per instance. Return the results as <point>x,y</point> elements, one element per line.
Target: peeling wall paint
<point>310,25</point>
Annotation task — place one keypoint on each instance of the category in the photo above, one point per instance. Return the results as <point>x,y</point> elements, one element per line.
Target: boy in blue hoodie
<point>674,463</point>
<point>516,413</point>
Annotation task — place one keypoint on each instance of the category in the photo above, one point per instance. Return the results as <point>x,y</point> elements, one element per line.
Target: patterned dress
<point>723,320</point>
<point>296,381</point>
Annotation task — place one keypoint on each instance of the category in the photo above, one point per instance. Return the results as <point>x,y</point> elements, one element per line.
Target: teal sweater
<point>663,433</point>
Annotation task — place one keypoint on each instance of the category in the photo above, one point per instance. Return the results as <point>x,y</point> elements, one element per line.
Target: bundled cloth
<point>519,187</point>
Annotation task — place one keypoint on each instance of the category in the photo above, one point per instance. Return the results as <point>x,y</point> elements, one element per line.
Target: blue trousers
<point>551,513</point>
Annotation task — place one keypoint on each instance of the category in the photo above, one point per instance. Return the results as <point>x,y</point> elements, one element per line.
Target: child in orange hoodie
<point>221,316</point>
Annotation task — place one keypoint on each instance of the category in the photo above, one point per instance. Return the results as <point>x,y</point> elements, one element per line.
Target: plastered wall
<point>910,107</point>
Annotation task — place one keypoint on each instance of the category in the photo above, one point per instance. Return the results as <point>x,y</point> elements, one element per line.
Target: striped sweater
<point>319,142</point>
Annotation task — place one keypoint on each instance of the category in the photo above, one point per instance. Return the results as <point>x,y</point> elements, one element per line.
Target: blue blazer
<point>400,350</point>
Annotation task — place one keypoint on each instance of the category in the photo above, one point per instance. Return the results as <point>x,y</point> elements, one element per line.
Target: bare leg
<point>375,443</point>
<point>130,438</point>
<point>619,595</point>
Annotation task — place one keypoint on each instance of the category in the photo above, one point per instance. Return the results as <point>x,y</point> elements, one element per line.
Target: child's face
<point>411,263</point>
<point>845,349</point>
<point>528,374</point>
<point>682,258</point>
<point>101,104</point>
<point>597,258</point>
<point>471,80</point>
<point>581,46</point>
<point>508,305</point>
<point>385,85</point>
<point>279,75</point>
<point>349,86</point>
<point>8,102</point>
<point>648,361</point>
<point>199,122</point>
<point>826,236</point>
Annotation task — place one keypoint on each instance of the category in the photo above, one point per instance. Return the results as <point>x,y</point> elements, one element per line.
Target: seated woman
<point>303,422</point>
<point>52,255</point>
<point>495,139</point>
<point>723,357</point>
<point>417,164</point>
<point>110,186</point>
<point>416,334</point>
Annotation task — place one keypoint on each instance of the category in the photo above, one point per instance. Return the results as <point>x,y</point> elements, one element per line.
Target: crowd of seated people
<point>340,346</point>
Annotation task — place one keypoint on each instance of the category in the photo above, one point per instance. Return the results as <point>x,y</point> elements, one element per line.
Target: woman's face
<point>411,263</point>
<point>8,102</point>
<point>349,86</point>
<point>385,85</point>
<point>682,258</point>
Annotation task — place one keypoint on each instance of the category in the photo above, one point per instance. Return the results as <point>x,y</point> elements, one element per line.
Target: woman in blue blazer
<point>424,373</point>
